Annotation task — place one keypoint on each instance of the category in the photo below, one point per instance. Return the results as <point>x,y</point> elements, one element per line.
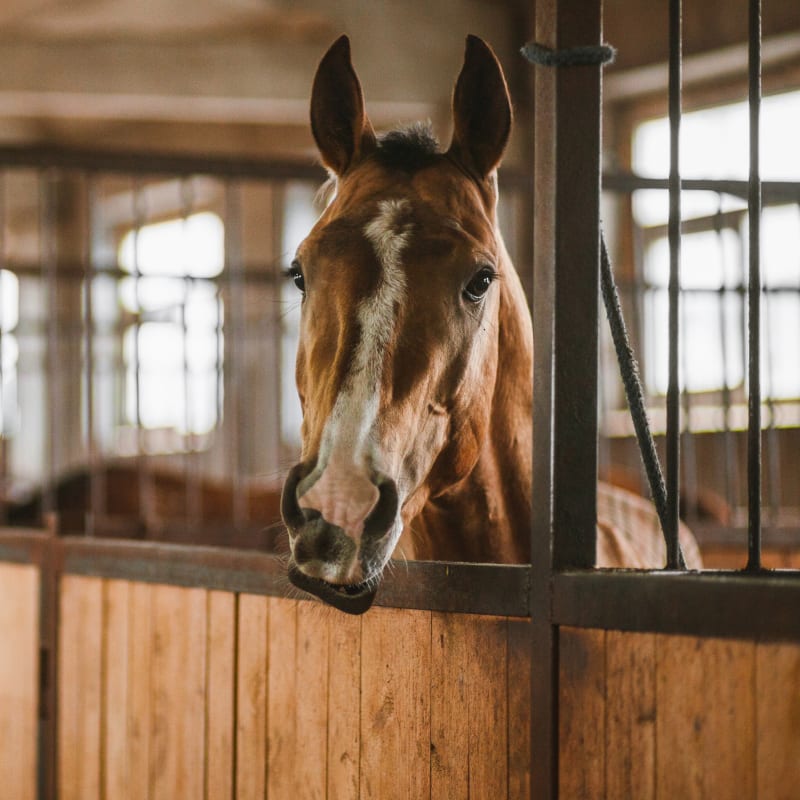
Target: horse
<point>415,359</point>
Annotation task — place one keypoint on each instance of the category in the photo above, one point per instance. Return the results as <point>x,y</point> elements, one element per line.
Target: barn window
<point>172,342</point>
<point>714,254</point>
<point>9,351</point>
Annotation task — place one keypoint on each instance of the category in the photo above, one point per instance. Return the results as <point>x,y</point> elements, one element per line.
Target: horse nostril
<point>292,514</point>
<point>383,515</point>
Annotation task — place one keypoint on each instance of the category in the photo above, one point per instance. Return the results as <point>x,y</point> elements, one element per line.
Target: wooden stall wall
<point>660,716</point>
<point>169,692</point>
<point>19,679</point>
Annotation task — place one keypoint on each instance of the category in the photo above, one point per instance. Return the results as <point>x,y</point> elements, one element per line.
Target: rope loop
<point>584,56</point>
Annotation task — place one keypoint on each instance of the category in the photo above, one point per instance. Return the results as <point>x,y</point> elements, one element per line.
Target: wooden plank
<point>140,649</point>
<point>311,707</point>
<point>630,715</point>
<point>581,693</point>
<point>19,679</point>
<point>283,695</point>
<point>680,717</point>
<point>177,732</point>
<point>395,704</point>
<point>488,706</point>
<point>116,777</point>
<point>344,706</point>
<point>450,717</point>
<point>220,695</point>
<point>519,708</point>
<point>778,720</point>
<point>79,687</point>
<point>728,734</point>
<point>251,698</point>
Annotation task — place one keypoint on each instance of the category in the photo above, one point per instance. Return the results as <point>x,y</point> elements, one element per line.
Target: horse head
<point>404,333</point>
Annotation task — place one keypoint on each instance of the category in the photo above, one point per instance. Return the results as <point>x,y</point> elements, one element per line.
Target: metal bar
<point>88,358</point>
<point>673,391</point>
<point>732,604</point>
<point>773,192</point>
<point>235,344</point>
<point>754,295</point>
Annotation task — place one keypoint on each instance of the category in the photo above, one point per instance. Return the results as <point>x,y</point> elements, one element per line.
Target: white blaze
<point>344,493</point>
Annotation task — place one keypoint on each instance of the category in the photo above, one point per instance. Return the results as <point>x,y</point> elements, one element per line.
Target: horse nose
<point>376,523</point>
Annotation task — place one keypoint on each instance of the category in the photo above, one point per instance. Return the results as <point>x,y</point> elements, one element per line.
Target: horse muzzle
<point>325,560</point>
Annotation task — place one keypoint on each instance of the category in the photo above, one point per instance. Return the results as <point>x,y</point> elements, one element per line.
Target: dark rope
<point>629,371</point>
<point>598,55</point>
<point>590,56</point>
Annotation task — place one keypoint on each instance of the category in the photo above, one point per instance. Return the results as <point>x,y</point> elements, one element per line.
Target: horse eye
<point>479,284</point>
<point>296,274</point>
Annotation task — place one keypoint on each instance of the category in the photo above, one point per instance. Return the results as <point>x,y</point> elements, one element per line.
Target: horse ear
<point>481,110</point>
<point>341,129</point>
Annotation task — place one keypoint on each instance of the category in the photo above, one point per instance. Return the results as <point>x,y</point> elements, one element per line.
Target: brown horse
<point>414,366</point>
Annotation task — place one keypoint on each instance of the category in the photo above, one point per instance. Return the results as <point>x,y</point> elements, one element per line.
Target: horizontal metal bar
<point>223,167</point>
<point>762,606</point>
<point>772,191</point>
<point>493,589</point>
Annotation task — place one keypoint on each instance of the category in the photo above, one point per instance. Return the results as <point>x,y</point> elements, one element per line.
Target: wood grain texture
<point>630,715</point>
<point>19,679</point>
<point>581,713</point>
<point>80,661</point>
<point>177,732</point>
<point>519,708</point>
<point>778,720</point>
<point>309,759</point>
<point>140,644</point>
<point>344,707</point>
<point>395,704</point>
<point>116,661</point>
<point>283,694</point>
<point>251,698</point>
<point>220,695</point>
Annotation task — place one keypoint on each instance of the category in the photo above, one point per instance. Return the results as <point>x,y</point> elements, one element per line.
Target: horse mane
<point>408,148</point>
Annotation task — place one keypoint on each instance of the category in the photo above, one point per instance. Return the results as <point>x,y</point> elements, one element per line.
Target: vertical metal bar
<point>566,296</point>
<point>139,216</point>
<point>754,293</point>
<point>192,499</point>
<point>235,347</point>
<point>47,222</point>
<point>729,463</point>
<point>673,390</point>
<point>88,355</point>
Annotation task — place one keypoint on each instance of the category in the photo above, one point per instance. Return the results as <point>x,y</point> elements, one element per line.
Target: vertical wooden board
<point>344,706</point>
<point>778,720</point>
<point>251,698</point>
<point>395,704</point>
<point>450,719</point>
<point>115,688</point>
<point>220,694</point>
<point>519,708</point>
<point>581,696</point>
<point>19,679</point>
<point>728,732</point>
<point>283,695</point>
<point>680,717</point>
<point>311,711</point>
<point>630,715</point>
<point>177,732</point>
<point>488,706</point>
<point>140,647</point>
<point>79,687</point>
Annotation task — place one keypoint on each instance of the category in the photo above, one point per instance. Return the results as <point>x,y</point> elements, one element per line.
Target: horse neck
<point>487,517</point>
